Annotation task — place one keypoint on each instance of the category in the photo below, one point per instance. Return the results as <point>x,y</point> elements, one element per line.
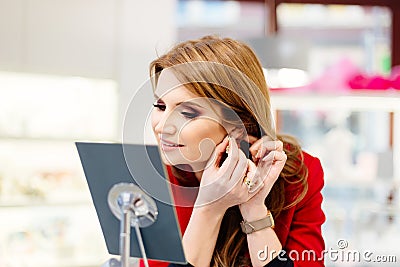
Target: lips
<point>168,144</point>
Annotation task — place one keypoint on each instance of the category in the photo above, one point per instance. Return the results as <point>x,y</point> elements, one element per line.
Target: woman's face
<point>187,127</point>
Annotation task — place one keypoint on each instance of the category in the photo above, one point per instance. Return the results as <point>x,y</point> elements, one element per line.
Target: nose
<point>165,125</point>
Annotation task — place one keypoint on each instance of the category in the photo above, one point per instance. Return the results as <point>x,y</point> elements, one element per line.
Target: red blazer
<point>298,228</point>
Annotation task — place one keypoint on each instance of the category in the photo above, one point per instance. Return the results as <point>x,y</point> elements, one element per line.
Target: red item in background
<point>396,82</point>
<point>376,82</point>
<point>395,77</point>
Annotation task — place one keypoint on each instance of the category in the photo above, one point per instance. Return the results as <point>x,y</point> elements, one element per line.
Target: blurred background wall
<point>69,70</point>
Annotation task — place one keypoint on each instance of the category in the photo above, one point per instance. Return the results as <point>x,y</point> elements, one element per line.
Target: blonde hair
<point>244,90</point>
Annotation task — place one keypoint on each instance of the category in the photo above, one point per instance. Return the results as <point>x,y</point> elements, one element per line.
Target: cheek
<point>155,118</point>
<point>202,135</point>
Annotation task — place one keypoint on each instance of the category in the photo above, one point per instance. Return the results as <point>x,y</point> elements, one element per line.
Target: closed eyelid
<point>189,104</point>
<point>190,107</point>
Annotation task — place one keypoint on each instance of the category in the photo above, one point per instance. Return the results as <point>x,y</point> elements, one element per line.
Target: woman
<point>211,97</point>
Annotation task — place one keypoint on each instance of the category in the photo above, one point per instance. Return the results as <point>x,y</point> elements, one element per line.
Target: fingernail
<point>258,155</point>
<point>266,156</point>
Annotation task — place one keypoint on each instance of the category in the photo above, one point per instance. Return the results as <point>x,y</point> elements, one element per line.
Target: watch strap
<point>251,227</point>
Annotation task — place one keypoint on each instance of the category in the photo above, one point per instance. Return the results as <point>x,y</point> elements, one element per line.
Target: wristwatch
<point>251,227</point>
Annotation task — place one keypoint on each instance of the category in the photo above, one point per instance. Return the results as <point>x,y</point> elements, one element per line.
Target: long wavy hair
<point>250,100</point>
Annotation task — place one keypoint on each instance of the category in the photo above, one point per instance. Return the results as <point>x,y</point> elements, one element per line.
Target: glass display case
<point>47,215</point>
<point>357,138</point>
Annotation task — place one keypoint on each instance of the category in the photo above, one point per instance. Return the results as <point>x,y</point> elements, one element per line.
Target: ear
<point>237,132</point>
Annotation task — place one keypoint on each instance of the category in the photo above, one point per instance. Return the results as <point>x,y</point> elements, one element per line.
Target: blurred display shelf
<point>361,201</point>
<point>37,106</point>
<point>51,235</point>
<point>332,16</point>
<point>11,138</point>
<point>48,218</point>
<point>80,201</point>
<point>363,101</point>
<point>48,215</point>
<point>360,100</point>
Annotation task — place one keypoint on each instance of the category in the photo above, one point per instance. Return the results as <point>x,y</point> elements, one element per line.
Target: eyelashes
<point>159,106</point>
<point>188,113</point>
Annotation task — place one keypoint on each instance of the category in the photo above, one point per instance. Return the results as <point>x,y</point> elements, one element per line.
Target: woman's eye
<point>190,115</point>
<point>159,106</point>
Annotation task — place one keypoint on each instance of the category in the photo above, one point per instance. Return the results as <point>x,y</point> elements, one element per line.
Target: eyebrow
<point>183,102</point>
<point>188,103</point>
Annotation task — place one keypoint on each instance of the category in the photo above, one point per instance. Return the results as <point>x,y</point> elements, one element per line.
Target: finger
<point>265,165</point>
<point>274,156</point>
<point>219,151</point>
<point>272,164</point>
<point>256,145</point>
<point>252,169</point>
<point>254,177</point>
<point>252,139</point>
<point>277,166</point>
<point>240,170</point>
<point>280,156</point>
<point>228,166</point>
<point>268,146</point>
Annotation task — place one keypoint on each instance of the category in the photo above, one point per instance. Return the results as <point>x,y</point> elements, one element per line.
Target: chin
<point>165,160</point>
<point>172,161</point>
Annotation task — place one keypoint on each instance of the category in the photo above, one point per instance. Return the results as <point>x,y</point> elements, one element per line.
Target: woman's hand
<point>270,159</point>
<point>261,147</point>
<point>223,187</point>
